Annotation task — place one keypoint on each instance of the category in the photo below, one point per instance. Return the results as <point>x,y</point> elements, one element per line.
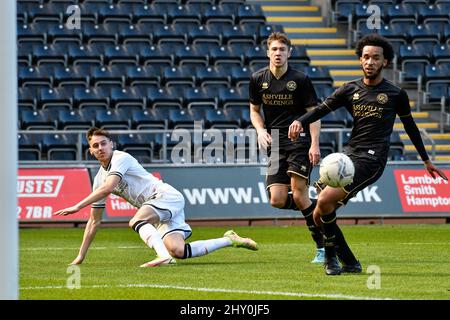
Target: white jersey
<point>136,186</point>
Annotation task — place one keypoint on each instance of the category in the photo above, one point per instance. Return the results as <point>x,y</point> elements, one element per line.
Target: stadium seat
<point>27,97</point>
<point>86,54</point>
<point>184,13</point>
<point>75,75</point>
<point>226,55</point>
<point>193,54</point>
<point>220,119</point>
<point>83,97</point>
<point>127,97</point>
<point>186,119</point>
<point>412,70</point>
<point>265,30</point>
<point>127,54</point>
<point>397,32</point>
<point>35,76</point>
<point>212,75</point>
<point>223,13</point>
<point>250,13</point>
<point>241,75</point>
<point>246,33</point>
<point>233,96</point>
<point>54,54</point>
<point>75,120</point>
<point>401,12</point>
<point>432,12</point>
<point>112,119</point>
<point>29,147</point>
<point>255,54</point>
<point>119,12</point>
<point>59,33</point>
<point>55,97</point>
<point>323,90</point>
<point>171,96</point>
<point>327,143</point>
<point>441,53</point>
<point>423,33</point>
<point>396,147</point>
<point>205,34</point>
<point>139,33</point>
<point>335,119</point>
<point>168,33</point>
<point>319,75</point>
<point>25,54</point>
<point>413,59</point>
<point>148,119</point>
<point>61,147</point>
<point>112,75</point>
<point>138,145</point>
<point>143,75</point>
<point>200,97</point>
<point>155,55</point>
<point>101,33</point>
<point>37,120</point>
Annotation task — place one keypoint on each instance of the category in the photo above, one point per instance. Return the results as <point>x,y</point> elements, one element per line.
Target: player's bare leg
<point>278,195</point>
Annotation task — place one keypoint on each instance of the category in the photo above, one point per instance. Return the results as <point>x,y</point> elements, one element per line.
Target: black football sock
<point>316,232</point>
<point>343,251</point>
<point>290,203</point>
<point>329,230</point>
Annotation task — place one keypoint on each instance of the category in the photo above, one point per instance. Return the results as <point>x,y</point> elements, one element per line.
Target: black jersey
<point>373,109</point>
<point>283,100</point>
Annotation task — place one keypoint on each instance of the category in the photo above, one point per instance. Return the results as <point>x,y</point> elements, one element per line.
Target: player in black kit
<point>285,94</point>
<point>374,103</point>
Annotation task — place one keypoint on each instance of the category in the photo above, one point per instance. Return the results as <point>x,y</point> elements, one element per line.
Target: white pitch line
<point>257,292</point>
<point>93,248</point>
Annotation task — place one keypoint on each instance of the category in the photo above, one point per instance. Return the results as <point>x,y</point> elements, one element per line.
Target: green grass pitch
<point>413,263</point>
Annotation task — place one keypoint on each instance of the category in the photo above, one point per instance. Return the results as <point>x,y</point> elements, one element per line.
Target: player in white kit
<point>159,220</point>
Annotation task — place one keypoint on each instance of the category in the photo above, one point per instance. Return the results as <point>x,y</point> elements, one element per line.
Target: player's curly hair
<point>378,41</point>
<point>97,132</point>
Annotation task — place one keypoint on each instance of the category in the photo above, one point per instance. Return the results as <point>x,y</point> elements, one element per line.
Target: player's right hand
<point>294,129</point>
<point>264,139</point>
<point>66,211</point>
<point>78,260</point>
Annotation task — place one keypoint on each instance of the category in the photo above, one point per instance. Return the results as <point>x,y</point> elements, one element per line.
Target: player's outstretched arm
<point>433,170</point>
<point>102,192</point>
<point>89,234</point>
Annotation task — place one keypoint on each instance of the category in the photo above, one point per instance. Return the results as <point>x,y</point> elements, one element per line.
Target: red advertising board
<point>419,192</point>
<point>41,192</point>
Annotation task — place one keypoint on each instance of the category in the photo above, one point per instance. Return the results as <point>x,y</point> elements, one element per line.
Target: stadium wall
<point>231,193</point>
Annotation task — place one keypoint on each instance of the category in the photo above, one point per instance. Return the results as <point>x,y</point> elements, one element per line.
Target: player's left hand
<point>314,154</point>
<point>432,170</point>
<point>66,211</point>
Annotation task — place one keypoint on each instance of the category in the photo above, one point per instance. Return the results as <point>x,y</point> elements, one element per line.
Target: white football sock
<point>202,247</point>
<point>152,238</point>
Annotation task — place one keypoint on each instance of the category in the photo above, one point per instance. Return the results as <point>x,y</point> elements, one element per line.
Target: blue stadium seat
<point>226,55</point>
<point>55,54</point>
<point>299,55</point>
<point>168,33</point>
<point>233,96</point>
<point>35,76</point>
<point>423,33</point>
<point>193,54</point>
<point>155,55</point>
<point>138,145</point>
<point>86,54</point>
<point>435,91</point>
<point>256,54</point>
<point>171,96</point>
<point>182,75</point>
<point>55,97</point>
<point>213,75</point>
<point>30,33</point>
<point>59,33</point>
<point>221,119</point>
<point>396,147</point>
<point>75,75</point>
<point>246,33</point>
<point>319,75</point>
<point>184,13</point>
<point>441,53</point>
<point>241,75</point>
<point>127,97</point>
<point>46,12</point>
<point>414,53</point>
<point>27,97</point>
<point>205,34</point>
<point>186,119</point>
<point>397,32</point>
<point>29,147</point>
<point>411,70</point>
<point>153,13</point>
<point>223,13</point>
<point>75,120</point>
<point>149,74</point>
<point>148,119</point>
<point>139,33</point>
<point>99,33</point>
<point>112,119</point>
<point>250,13</point>
<point>265,30</point>
<point>37,120</point>
<point>344,8</point>
<point>401,12</point>
<point>327,143</point>
<point>25,53</point>
<point>120,12</point>
<point>200,97</point>
<point>128,54</point>
<point>433,13</point>
<point>112,76</point>
<point>61,147</point>
<point>84,97</point>
<point>323,90</point>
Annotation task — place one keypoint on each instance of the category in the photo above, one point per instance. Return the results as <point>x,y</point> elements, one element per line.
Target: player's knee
<point>324,206</point>
<point>277,202</point>
<point>176,252</point>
